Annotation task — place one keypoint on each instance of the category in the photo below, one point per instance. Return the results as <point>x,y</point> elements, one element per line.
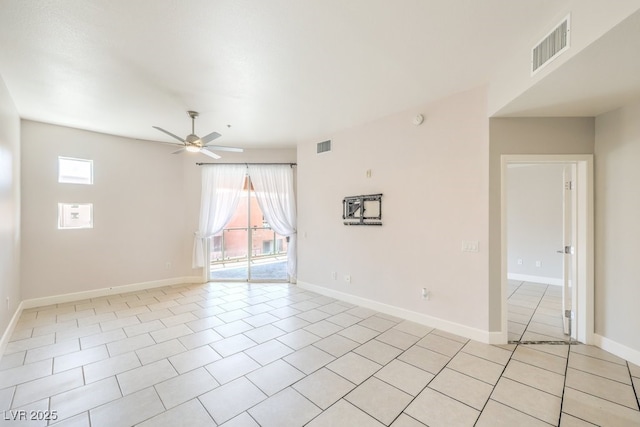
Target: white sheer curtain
<point>221,189</point>
<point>273,185</point>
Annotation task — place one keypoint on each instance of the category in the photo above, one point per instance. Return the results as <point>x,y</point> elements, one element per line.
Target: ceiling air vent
<point>551,46</point>
<point>324,146</point>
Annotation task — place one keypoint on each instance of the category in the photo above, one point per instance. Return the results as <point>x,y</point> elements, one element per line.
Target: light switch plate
<point>470,246</point>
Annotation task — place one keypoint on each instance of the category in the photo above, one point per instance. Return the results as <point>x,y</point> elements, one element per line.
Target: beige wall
<point>617,279</point>
<point>9,207</point>
<point>534,221</point>
<point>434,180</point>
<point>525,136</point>
<point>146,207</point>
<point>139,218</point>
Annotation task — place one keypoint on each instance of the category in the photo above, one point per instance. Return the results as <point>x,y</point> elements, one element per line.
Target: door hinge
<point>568,185</point>
<point>568,314</point>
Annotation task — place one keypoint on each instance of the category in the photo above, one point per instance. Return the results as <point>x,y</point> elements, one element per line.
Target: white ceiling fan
<point>194,144</point>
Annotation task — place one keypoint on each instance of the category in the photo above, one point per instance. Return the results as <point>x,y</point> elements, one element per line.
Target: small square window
<point>75,171</point>
<point>75,215</point>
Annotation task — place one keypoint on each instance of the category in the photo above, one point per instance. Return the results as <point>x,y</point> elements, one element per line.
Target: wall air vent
<point>551,46</point>
<point>324,146</point>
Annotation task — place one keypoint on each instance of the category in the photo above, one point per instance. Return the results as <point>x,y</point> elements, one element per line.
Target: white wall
<point>434,178</point>
<point>534,222</point>
<point>617,173</point>
<point>139,218</point>
<point>9,207</point>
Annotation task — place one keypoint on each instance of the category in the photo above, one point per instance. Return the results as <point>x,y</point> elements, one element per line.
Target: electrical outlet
<point>425,294</point>
<point>334,275</point>
<point>167,265</point>
<point>519,261</point>
<point>538,263</point>
<point>347,278</point>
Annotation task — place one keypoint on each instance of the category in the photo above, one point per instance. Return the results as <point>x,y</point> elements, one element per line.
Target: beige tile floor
<point>277,355</point>
<point>534,312</point>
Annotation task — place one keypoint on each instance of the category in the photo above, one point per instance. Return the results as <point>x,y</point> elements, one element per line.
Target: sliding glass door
<point>247,249</point>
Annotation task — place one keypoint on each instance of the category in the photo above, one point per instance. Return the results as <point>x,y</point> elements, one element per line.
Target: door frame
<point>584,282</point>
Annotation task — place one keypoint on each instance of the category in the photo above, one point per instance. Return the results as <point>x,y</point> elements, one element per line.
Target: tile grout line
<point>493,388</point>
<point>305,375</point>
<point>530,317</point>
<point>564,383</point>
<point>527,385</point>
<point>382,367</point>
<point>633,387</point>
<point>515,290</point>
<point>532,314</point>
<point>563,392</point>
<point>431,380</point>
<point>358,385</point>
<point>540,300</point>
<point>346,379</point>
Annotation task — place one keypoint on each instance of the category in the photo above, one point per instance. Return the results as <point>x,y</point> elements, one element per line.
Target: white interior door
<point>569,265</point>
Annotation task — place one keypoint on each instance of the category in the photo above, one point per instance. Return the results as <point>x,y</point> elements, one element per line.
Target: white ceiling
<point>277,71</point>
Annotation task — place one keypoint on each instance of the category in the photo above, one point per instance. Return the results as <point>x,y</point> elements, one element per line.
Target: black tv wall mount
<point>362,210</point>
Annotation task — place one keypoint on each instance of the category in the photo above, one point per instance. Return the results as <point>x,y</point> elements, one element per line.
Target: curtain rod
<point>247,164</point>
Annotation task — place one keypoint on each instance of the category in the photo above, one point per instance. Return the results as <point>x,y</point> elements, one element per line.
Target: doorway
<point>548,299</point>
<point>248,249</point>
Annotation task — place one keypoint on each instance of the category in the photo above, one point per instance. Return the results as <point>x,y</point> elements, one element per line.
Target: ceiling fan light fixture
<point>194,144</point>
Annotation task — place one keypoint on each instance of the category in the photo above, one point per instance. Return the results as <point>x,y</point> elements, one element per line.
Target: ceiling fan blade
<point>210,137</point>
<point>222,148</point>
<point>209,153</point>
<point>182,150</point>
<point>169,133</point>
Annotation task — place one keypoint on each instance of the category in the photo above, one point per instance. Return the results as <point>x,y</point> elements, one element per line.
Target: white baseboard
<point>617,349</point>
<point>423,319</point>
<point>96,293</point>
<point>10,327</point>
<point>535,279</point>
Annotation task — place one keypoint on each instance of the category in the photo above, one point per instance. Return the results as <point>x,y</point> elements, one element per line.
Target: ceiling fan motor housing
<point>194,143</point>
<point>192,139</point>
